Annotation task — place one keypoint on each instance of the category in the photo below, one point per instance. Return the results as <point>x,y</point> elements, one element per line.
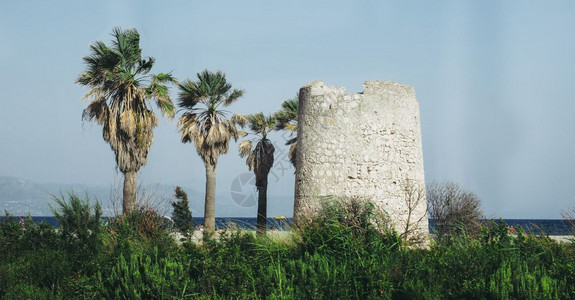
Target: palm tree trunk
<point>262,185</point>
<point>210,201</point>
<point>129,202</point>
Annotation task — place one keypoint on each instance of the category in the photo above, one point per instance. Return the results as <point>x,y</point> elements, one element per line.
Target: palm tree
<point>287,119</point>
<point>260,159</point>
<point>120,87</point>
<point>208,126</point>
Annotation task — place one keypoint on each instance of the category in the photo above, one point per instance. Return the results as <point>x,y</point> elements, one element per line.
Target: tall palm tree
<point>260,159</point>
<point>286,119</point>
<point>207,126</point>
<point>120,88</point>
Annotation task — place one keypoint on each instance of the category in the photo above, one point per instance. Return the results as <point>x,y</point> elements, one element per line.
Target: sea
<point>552,227</point>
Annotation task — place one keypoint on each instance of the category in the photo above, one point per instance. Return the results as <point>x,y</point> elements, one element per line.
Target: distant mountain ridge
<point>22,197</point>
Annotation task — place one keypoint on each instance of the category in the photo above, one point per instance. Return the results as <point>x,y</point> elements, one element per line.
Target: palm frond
<point>144,66</point>
<point>286,118</point>
<point>128,122</point>
<point>291,141</point>
<point>96,110</point>
<point>127,43</point>
<point>159,91</point>
<point>264,156</point>
<point>245,148</point>
<point>190,94</point>
<point>240,119</point>
<point>231,98</point>
<point>292,153</point>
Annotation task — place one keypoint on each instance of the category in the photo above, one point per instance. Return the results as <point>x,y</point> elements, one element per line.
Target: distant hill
<point>21,197</point>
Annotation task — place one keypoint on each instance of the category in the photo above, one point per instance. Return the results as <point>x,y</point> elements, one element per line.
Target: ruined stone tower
<point>365,145</point>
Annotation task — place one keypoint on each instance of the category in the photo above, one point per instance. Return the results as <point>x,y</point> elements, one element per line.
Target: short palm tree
<point>207,126</point>
<point>120,88</point>
<point>286,119</point>
<point>260,159</point>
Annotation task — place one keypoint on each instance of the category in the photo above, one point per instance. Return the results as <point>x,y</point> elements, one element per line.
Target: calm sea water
<point>534,226</point>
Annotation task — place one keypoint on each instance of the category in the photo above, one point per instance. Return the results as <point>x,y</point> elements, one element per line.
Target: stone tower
<point>365,145</point>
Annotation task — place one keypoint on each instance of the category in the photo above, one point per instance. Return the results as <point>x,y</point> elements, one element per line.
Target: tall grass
<point>347,252</point>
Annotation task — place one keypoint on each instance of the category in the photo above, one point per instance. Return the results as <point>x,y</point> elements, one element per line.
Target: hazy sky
<point>495,81</point>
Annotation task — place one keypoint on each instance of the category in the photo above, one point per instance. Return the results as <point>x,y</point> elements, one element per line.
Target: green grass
<point>340,255</point>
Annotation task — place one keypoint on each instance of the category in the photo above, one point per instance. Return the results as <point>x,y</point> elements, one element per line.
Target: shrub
<point>30,291</point>
<point>456,212</point>
<point>79,228</point>
<point>145,277</point>
<point>345,224</point>
<point>139,231</point>
<point>18,237</point>
<point>182,216</point>
<point>410,229</point>
<point>32,261</point>
<point>225,266</point>
<point>344,251</point>
<point>569,216</point>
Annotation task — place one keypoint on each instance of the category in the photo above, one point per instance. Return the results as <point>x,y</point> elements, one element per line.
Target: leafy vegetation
<point>348,251</point>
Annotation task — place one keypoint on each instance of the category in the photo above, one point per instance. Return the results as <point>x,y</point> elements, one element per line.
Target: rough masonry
<point>365,145</point>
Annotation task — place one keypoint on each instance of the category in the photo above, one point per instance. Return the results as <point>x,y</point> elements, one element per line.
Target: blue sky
<point>495,82</point>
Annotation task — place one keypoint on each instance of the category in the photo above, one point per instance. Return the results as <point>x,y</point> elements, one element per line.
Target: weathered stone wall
<point>365,145</point>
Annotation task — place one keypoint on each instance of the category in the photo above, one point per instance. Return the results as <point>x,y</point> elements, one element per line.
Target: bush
<point>343,252</point>
<point>137,232</point>
<point>225,266</point>
<point>346,224</point>
<point>347,251</point>
<point>456,212</point>
<point>182,216</point>
<point>80,226</point>
<point>33,261</point>
<point>145,277</point>
<point>569,216</point>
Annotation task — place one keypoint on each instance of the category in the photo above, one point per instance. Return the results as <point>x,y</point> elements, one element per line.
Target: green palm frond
<point>233,96</point>
<point>190,94</point>
<point>287,116</point>
<point>159,91</point>
<point>261,124</point>
<point>287,119</point>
